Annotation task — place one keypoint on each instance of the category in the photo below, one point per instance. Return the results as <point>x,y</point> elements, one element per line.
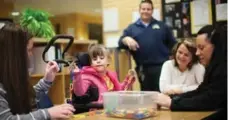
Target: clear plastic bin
<point>130,104</point>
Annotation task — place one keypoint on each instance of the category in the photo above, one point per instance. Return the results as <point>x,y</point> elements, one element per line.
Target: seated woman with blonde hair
<point>183,73</point>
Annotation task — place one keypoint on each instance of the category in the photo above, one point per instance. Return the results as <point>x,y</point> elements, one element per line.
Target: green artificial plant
<point>37,22</point>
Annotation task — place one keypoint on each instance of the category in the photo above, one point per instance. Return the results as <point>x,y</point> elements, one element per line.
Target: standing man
<point>149,42</point>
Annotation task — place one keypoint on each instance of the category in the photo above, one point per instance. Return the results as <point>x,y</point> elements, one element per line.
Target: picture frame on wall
<point>177,17</point>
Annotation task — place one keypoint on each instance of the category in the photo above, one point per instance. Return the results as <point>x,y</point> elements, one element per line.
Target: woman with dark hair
<point>183,73</point>
<point>15,91</point>
<point>212,92</point>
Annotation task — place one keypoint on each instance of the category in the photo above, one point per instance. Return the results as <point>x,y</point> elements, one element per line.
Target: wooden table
<point>162,115</point>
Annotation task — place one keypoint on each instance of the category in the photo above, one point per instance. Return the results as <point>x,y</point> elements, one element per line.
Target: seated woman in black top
<point>212,92</point>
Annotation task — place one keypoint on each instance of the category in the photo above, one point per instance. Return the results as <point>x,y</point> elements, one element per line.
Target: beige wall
<point>125,9</point>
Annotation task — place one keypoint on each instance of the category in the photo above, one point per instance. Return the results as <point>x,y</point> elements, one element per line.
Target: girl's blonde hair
<point>95,50</point>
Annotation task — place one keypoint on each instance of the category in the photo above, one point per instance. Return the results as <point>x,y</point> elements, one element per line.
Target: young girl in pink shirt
<point>98,75</point>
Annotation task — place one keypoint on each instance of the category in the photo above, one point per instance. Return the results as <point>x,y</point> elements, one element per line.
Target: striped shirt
<point>41,114</point>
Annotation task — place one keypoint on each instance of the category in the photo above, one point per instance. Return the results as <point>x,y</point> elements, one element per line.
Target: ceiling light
<point>15,13</point>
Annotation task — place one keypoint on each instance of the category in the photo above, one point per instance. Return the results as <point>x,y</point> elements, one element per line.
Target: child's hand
<point>64,111</point>
<point>131,78</point>
<point>51,69</point>
<point>73,67</point>
<point>132,73</point>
